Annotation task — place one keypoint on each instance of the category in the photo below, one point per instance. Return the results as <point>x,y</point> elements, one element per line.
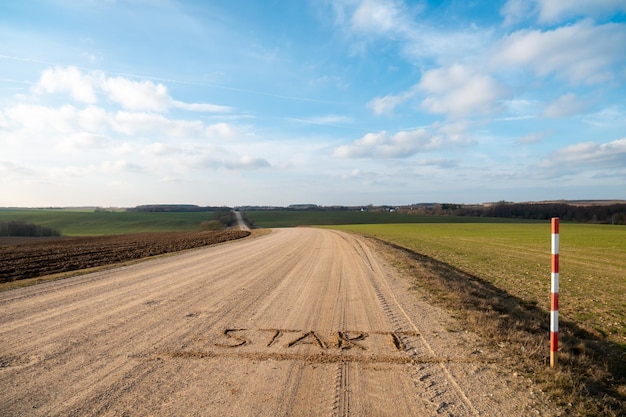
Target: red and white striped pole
<point>554,294</point>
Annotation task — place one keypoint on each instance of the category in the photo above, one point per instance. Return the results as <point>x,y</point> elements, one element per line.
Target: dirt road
<point>240,223</point>
<point>297,322</point>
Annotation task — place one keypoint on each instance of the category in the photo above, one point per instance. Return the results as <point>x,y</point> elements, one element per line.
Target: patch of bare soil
<point>18,240</point>
<point>38,257</point>
<point>298,322</point>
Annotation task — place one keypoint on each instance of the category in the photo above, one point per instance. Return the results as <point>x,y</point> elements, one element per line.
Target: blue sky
<point>276,102</point>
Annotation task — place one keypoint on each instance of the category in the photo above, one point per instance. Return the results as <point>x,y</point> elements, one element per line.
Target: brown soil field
<point>297,322</point>
<point>54,255</point>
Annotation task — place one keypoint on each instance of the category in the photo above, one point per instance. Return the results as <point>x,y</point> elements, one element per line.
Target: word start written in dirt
<point>342,340</point>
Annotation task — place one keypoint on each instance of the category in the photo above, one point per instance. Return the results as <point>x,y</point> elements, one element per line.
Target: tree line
<point>23,229</point>
<point>605,214</point>
<point>173,208</point>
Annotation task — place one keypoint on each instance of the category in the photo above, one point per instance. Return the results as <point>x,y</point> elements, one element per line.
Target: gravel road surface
<point>241,224</point>
<point>296,322</point>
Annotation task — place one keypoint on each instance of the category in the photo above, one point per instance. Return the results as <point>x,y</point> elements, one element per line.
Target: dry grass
<point>591,377</point>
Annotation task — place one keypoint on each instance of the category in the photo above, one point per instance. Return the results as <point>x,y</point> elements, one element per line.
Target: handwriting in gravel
<point>342,340</point>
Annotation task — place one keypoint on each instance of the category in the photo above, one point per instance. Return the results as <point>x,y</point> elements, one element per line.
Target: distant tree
<point>23,229</point>
<point>226,217</point>
<point>173,208</point>
<point>608,214</point>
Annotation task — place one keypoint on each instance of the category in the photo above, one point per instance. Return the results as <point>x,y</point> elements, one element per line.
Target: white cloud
<point>567,105</point>
<point>142,95</point>
<point>4,123</point>
<point>93,119</point>
<point>520,109</point>
<point>456,91</point>
<point>124,148</point>
<point>455,133</point>
<point>70,172</point>
<point>388,103</point>
<point>137,95</point>
<point>515,11</point>
<point>161,149</point>
<point>200,107</point>
<point>202,162</point>
<point>67,80</point>
<point>117,167</point>
<point>39,118</point>
<point>247,163</point>
<point>459,91</point>
<point>83,141</point>
<point>406,143</point>
<point>466,45</point>
<point>612,116</point>
<point>146,95</point>
<point>580,53</point>
<point>589,154</point>
<point>220,131</point>
<point>383,145</point>
<point>556,11</point>
<point>134,123</point>
<point>420,41</point>
<point>378,16</point>
<point>74,125</point>
<point>553,11</point>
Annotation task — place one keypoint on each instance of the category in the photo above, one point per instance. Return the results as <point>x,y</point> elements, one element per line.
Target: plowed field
<point>53,256</point>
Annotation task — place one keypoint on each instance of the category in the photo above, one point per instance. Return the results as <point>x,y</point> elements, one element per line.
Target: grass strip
<point>496,276</point>
<point>591,377</point>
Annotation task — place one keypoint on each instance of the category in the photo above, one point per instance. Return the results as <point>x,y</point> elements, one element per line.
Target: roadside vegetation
<point>497,279</point>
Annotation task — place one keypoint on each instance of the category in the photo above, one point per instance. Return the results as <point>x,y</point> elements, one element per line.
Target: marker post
<point>554,295</point>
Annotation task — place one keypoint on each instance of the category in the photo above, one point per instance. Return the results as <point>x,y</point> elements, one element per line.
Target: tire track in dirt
<point>341,403</point>
<point>342,397</point>
<point>296,322</point>
<point>440,398</point>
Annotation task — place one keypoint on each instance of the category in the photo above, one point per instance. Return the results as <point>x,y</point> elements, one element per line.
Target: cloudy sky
<point>127,102</point>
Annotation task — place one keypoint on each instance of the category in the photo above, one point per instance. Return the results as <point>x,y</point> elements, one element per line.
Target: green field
<point>91,223</point>
<point>516,258</point>
<point>283,218</point>
<point>76,222</point>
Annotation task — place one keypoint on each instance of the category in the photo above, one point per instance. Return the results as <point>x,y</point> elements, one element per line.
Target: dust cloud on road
<point>297,322</point>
